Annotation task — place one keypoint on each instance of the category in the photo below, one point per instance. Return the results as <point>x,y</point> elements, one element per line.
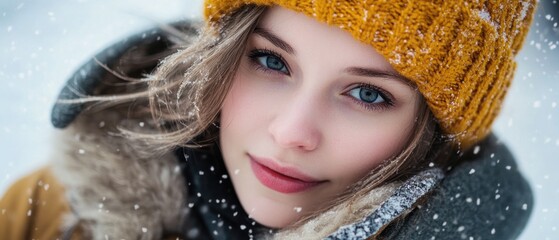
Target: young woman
<point>288,120</point>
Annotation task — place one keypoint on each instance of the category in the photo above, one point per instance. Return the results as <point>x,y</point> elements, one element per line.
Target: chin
<point>269,212</point>
<point>271,220</point>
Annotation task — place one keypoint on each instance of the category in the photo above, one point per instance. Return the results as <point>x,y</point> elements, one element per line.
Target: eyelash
<point>388,100</point>
<point>253,55</point>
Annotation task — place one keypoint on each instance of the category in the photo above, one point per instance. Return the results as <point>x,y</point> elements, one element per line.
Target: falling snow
<point>41,49</point>
<point>476,149</point>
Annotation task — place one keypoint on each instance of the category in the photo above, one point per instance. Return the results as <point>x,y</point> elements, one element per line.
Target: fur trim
<point>326,223</point>
<point>400,203</point>
<point>112,188</point>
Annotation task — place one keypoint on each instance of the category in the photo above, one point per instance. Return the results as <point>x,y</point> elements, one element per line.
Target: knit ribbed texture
<point>460,54</point>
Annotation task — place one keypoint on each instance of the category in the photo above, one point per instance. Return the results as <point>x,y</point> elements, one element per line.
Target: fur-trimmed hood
<point>115,191</point>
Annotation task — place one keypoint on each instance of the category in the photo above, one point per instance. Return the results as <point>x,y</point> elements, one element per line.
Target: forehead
<point>307,38</point>
<point>299,28</point>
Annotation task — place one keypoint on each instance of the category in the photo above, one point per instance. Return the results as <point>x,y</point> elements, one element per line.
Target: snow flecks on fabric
<point>403,199</point>
<point>525,7</point>
<point>484,14</point>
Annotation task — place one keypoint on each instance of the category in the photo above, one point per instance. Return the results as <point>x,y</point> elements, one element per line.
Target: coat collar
<point>215,207</point>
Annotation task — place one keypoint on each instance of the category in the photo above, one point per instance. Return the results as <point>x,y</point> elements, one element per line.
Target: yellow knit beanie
<point>460,54</point>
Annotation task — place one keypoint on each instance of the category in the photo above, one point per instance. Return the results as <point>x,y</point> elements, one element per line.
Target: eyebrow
<point>274,39</point>
<point>358,71</point>
<point>370,72</point>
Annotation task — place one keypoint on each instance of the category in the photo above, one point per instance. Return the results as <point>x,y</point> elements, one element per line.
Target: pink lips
<point>279,178</point>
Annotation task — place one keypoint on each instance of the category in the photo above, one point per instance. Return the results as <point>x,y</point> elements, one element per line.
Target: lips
<point>280,178</point>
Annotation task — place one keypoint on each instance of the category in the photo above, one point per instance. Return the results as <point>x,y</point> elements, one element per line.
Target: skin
<point>307,111</point>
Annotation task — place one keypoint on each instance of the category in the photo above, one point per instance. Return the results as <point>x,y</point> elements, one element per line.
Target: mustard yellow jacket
<point>33,208</point>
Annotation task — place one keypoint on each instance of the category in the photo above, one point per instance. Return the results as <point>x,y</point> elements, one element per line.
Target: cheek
<point>240,106</point>
<point>362,148</point>
<point>231,105</point>
<point>234,127</point>
<point>244,111</point>
<point>232,116</point>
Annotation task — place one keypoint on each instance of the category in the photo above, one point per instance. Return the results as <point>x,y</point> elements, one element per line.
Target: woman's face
<point>311,111</point>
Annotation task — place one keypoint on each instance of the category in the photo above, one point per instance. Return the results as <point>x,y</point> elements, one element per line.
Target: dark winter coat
<point>98,186</point>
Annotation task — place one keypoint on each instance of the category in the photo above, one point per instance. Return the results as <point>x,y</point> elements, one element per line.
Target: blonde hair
<point>188,88</point>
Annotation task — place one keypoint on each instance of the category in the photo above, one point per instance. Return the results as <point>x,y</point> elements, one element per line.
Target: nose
<point>295,126</point>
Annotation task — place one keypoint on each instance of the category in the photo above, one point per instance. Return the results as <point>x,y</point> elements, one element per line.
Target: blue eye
<point>269,60</point>
<point>367,94</point>
<point>272,62</point>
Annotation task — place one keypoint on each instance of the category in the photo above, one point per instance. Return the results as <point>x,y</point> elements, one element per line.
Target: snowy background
<point>43,42</point>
